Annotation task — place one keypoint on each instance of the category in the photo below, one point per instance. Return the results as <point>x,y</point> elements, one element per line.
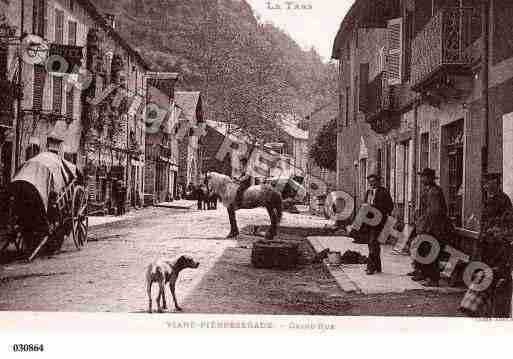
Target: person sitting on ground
<point>244,181</point>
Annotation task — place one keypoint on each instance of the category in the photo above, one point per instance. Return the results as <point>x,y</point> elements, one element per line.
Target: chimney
<point>111,20</point>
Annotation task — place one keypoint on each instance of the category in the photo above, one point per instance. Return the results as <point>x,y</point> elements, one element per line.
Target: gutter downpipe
<point>17,140</point>
<point>485,67</point>
<point>485,82</point>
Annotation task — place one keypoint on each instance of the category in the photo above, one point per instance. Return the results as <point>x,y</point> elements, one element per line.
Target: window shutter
<point>395,51</point>
<point>39,85</point>
<point>70,102</point>
<point>364,82</point>
<point>57,94</point>
<point>59,26</point>
<point>382,60</point>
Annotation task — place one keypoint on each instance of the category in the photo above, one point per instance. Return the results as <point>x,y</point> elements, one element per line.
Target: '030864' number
<point>28,347</point>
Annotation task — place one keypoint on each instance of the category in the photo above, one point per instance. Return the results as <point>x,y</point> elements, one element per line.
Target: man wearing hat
<point>496,202</point>
<point>378,197</point>
<point>431,220</point>
<point>244,182</point>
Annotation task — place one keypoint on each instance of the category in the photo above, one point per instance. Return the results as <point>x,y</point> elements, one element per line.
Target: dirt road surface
<point>108,274</point>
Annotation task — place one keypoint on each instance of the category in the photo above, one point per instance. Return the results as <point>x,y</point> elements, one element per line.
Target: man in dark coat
<point>496,203</point>
<point>431,220</point>
<point>378,197</point>
<point>496,250</point>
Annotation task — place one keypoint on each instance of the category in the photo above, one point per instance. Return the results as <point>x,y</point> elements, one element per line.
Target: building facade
<point>189,141</point>
<point>77,56</point>
<point>426,84</point>
<point>161,153</point>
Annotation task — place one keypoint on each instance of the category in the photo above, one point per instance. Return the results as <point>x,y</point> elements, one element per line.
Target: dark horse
<point>254,196</point>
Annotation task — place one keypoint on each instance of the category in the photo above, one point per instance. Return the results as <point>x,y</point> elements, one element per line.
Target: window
<point>424,151</point>
<point>363,85</point>
<point>3,62</point>
<point>39,85</point>
<point>72,33</point>
<point>388,168</point>
<point>59,26</point>
<point>356,94</point>
<point>379,161</point>
<point>454,152</point>
<point>57,95</point>
<point>39,18</point>
<point>363,177</point>
<point>347,106</point>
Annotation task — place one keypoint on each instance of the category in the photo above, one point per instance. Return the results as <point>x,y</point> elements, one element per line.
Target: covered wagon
<point>47,202</point>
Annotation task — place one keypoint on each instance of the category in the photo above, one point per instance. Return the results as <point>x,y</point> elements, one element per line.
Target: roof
<point>294,131</point>
<point>367,13</point>
<point>93,11</point>
<point>188,102</point>
<point>162,75</point>
<point>234,133</point>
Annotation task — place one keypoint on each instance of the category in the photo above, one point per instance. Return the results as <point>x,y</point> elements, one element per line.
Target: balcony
<point>379,106</point>
<point>441,51</point>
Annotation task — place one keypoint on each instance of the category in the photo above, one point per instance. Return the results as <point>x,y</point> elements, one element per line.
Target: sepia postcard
<point>310,167</point>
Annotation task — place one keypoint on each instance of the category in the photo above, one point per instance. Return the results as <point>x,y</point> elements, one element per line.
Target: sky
<point>316,25</point>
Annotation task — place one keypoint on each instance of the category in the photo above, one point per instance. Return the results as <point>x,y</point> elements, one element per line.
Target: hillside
<point>244,69</point>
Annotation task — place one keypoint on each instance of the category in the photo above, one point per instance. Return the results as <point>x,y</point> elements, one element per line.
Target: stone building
<point>426,83</point>
<point>76,55</point>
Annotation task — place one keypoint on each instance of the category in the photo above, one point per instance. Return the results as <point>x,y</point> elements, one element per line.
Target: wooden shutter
<point>72,33</point>
<point>395,51</point>
<point>382,60</point>
<point>39,85</point>
<point>70,102</point>
<point>59,26</point>
<point>57,94</point>
<point>364,83</point>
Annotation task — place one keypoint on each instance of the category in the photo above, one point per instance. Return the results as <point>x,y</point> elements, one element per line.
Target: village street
<point>107,275</point>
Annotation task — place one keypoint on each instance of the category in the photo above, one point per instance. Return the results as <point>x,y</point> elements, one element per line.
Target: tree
<point>324,149</point>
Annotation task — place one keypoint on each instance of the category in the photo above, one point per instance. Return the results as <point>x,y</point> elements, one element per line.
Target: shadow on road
<point>234,286</point>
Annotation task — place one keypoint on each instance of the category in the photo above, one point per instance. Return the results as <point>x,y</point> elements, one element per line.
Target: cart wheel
<point>79,217</point>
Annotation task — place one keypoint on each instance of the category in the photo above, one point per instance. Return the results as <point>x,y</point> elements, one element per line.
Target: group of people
<point>494,247</point>
<point>206,200</point>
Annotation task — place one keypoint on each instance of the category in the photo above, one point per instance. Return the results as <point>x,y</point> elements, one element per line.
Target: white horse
<point>255,196</point>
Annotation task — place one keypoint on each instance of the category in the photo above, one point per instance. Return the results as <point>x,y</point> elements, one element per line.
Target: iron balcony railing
<point>378,97</point>
<point>444,44</point>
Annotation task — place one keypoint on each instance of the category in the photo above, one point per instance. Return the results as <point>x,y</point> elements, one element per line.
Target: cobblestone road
<point>108,274</point>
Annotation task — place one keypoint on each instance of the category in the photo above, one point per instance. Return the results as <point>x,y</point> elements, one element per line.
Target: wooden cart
<point>47,202</point>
